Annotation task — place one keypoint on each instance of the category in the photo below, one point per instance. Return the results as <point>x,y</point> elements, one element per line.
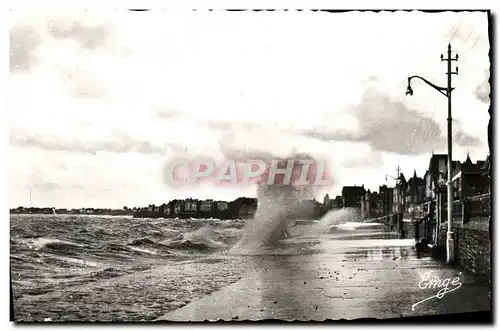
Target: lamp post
<point>446,91</point>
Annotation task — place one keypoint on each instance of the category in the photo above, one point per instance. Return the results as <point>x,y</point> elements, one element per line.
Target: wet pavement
<point>350,273</point>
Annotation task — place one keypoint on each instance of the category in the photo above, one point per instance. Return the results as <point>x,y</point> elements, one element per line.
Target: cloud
<point>148,87</point>
<point>259,141</point>
<point>167,114</point>
<point>90,37</point>
<point>84,85</point>
<point>483,90</point>
<point>463,139</point>
<point>390,126</point>
<point>53,186</point>
<point>121,144</point>
<point>24,40</point>
<point>231,126</point>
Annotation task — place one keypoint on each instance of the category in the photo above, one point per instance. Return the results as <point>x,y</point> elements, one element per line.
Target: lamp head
<point>409,90</point>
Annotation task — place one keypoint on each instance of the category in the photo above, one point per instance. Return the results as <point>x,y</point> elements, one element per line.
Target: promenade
<point>351,273</point>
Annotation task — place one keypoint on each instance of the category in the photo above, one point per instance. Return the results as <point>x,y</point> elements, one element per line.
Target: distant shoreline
<point>70,214</point>
<point>129,216</point>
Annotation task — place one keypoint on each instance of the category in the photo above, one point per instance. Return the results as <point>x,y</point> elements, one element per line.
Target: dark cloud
<point>90,37</point>
<point>465,140</point>
<point>386,125</point>
<point>390,126</point>
<point>24,40</point>
<point>461,138</point>
<point>123,145</point>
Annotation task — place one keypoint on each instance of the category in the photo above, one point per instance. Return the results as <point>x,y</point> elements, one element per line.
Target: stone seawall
<point>472,246</point>
<point>472,242</point>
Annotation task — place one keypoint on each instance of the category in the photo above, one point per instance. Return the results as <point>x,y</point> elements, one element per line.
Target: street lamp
<point>398,180</point>
<point>442,90</point>
<point>409,91</point>
<point>446,91</point>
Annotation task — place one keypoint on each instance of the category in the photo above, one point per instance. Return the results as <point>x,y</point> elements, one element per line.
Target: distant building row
<point>74,211</point>
<point>408,196</point>
<point>239,208</point>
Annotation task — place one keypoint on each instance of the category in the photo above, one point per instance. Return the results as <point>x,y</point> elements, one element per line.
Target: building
<point>206,206</point>
<point>373,205</point>
<point>243,208</point>
<point>221,210</point>
<point>338,202</point>
<point>414,195</point>
<point>164,210</point>
<point>169,209</point>
<point>433,206</point>
<point>437,164</point>
<point>438,169</point>
<point>365,205</point>
<point>309,209</point>
<point>247,210</point>
<point>398,202</point>
<point>435,193</point>
<point>190,206</point>
<point>327,202</point>
<point>369,205</point>
<point>353,197</point>
<point>385,198</point>
<point>222,206</point>
<point>178,207</point>
<point>469,179</point>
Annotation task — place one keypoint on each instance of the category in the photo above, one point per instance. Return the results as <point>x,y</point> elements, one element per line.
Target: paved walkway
<point>357,273</point>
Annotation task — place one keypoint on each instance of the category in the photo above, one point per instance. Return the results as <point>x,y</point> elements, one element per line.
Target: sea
<point>110,268</point>
<point>117,269</point>
<point>85,268</point>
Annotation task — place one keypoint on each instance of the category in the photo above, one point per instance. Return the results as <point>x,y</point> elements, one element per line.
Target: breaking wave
<point>279,206</point>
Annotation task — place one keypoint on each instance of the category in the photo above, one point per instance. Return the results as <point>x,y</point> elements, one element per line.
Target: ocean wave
<point>64,262</point>
<point>142,241</point>
<point>202,239</point>
<point>143,250</point>
<point>191,245</point>
<point>109,272</point>
<point>148,246</point>
<point>54,244</point>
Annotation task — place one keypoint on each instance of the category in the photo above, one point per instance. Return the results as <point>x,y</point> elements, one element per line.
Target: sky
<point>99,101</point>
